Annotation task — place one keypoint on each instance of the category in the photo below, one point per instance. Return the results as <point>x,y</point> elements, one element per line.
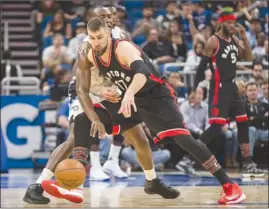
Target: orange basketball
<point>70,174</point>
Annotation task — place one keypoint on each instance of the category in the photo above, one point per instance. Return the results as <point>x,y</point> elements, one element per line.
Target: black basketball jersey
<point>121,75</point>
<point>223,63</point>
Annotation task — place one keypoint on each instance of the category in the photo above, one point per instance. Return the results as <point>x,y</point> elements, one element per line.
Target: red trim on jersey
<point>99,105</point>
<point>115,47</point>
<point>228,40</point>
<point>217,49</point>
<point>156,79</point>
<point>217,82</point>
<point>172,91</point>
<point>220,121</point>
<point>109,56</point>
<point>170,132</point>
<point>96,64</point>
<point>227,18</point>
<point>161,81</point>
<point>241,118</point>
<point>116,130</point>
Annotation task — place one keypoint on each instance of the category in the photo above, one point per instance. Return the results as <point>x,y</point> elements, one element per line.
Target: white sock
<point>95,159</point>
<point>150,174</point>
<point>114,153</point>
<point>45,175</point>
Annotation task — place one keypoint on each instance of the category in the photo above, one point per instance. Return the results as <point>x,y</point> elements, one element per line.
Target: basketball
<point>70,173</point>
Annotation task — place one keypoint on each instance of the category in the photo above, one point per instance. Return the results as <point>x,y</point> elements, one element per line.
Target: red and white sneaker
<point>73,195</point>
<point>232,194</point>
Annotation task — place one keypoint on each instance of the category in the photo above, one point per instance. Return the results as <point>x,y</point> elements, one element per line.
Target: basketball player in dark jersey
<point>222,52</point>
<point>139,141</point>
<point>145,93</point>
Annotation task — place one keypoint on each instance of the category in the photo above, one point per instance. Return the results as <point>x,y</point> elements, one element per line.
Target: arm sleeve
<point>200,74</point>
<point>139,66</point>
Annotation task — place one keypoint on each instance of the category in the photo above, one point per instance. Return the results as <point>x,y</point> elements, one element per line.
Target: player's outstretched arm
<point>210,48</point>
<point>130,56</point>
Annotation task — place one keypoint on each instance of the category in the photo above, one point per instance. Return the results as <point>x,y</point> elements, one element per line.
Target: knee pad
<point>82,127</point>
<point>243,136</point>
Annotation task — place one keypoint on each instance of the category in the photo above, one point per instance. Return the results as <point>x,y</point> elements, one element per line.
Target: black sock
<point>222,177</point>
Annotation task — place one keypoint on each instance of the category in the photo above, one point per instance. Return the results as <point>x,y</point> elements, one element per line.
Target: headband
<point>227,17</point>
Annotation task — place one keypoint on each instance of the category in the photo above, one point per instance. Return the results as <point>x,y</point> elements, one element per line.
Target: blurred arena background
<point>34,80</point>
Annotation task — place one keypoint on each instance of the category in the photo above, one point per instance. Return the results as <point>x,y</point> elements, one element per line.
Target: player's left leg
<point>166,121</point>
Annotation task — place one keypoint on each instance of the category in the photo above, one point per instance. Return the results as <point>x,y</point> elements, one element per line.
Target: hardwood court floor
<point>195,192</point>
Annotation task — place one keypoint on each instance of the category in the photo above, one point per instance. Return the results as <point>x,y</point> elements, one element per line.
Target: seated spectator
<point>122,17</point>
<point>194,57</point>
<point>55,58</point>
<point>175,81</point>
<point>259,50</point>
<point>187,23</point>
<point>257,72</point>
<point>81,34</point>
<point>179,47</point>
<point>160,157</point>
<point>257,112</point>
<point>145,24</point>
<point>231,144</point>
<point>195,114</point>
<point>205,84</point>
<point>201,15</point>
<point>159,50</point>
<point>255,28</point>
<point>164,20</point>
<point>58,25</point>
<point>264,88</point>
<point>176,37</point>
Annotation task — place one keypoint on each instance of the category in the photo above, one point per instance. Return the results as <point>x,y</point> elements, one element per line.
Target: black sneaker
<point>250,170</point>
<point>34,195</point>
<point>156,186</point>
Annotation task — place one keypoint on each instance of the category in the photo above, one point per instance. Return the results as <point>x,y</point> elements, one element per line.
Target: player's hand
<point>98,128</point>
<point>111,95</point>
<point>240,29</point>
<point>126,105</point>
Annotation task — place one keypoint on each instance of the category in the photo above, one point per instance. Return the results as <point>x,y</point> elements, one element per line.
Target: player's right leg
<point>137,137</point>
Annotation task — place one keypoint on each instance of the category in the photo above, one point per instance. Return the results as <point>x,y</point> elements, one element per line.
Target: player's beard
<point>100,52</point>
<point>225,31</point>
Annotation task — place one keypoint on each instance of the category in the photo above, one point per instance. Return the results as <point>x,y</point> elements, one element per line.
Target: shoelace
<point>163,184</point>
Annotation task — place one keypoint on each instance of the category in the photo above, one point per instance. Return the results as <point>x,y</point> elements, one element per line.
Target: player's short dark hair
<point>96,24</point>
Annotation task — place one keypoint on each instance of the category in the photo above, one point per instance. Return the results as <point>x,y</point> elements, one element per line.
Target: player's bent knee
<point>82,136</point>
